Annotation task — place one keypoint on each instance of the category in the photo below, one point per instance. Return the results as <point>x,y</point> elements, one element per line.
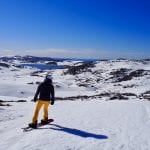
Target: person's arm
<point>37,93</point>
<point>53,95</point>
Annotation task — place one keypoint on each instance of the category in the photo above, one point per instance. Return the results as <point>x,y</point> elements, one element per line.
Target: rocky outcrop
<point>4,65</point>
<point>124,74</point>
<point>109,96</point>
<point>84,67</point>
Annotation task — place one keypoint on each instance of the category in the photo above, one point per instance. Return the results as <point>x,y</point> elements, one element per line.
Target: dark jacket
<point>45,91</point>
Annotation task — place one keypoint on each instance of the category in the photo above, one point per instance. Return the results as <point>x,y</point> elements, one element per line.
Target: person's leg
<point>38,107</point>
<point>46,104</point>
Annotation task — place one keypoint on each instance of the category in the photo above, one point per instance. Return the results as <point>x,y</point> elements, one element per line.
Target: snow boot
<point>44,121</point>
<point>33,125</point>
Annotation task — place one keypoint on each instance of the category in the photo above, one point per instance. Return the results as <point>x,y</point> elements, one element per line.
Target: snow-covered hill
<point>101,105</point>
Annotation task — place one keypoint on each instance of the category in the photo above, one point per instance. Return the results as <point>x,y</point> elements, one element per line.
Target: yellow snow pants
<point>39,104</point>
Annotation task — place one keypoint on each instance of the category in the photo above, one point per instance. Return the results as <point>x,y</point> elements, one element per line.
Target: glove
<point>52,102</point>
<point>34,100</point>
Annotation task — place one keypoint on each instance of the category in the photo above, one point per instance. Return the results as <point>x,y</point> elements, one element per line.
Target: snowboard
<point>26,129</point>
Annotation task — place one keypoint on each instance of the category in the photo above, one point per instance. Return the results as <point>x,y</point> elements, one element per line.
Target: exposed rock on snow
<point>52,63</point>
<point>146,95</point>
<point>5,102</point>
<point>111,96</point>
<point>118,96</point>
<point>4,65</point>
<point>119,74</point>
<point>84,67</point>
<point>133,74</point>
<point>36,73</point>
<point>124,74</point>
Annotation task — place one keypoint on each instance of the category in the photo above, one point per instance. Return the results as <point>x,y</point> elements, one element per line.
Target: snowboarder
<point>45,91</point>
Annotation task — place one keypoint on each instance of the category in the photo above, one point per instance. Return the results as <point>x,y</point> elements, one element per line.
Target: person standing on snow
<point>45,91</point>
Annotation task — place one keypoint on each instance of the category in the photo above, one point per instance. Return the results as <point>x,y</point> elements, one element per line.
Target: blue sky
<point>75,28</point>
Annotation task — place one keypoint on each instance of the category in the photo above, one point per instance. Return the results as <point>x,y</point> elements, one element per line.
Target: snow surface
<point>94,124</point>
<point>87,125</point>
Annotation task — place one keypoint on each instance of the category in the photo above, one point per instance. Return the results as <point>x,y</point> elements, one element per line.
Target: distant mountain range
<point>27,59</point>
<point>35,59</point>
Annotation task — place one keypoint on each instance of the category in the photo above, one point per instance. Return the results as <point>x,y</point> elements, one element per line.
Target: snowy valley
<point>100,104</point>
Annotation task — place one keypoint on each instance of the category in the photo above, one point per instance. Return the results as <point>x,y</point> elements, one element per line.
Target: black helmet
<point>48,79</point>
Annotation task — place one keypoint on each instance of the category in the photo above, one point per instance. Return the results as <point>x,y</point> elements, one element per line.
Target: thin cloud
<point>71,53</point>
<point>60,53</point>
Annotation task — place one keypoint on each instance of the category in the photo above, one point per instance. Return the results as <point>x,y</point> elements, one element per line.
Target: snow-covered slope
<point>106,125</point>
<point>109,108</point>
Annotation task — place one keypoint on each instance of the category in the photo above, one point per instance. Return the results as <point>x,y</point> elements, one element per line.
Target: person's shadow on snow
<point>77,132</point>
